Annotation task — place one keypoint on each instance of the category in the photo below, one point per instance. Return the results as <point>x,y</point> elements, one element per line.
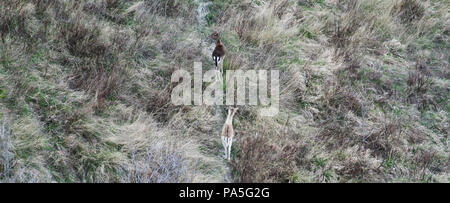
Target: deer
<point>219,52</point>
<point>228,132</point>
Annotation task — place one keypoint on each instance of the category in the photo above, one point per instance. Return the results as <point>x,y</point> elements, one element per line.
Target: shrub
<point>171,8</point>
<point>14,19</point>
<point>408,11</point>
<point>358,166</point>
<point>82,37</point>
<point>5,154</point>
<point>11,171</point>
<point>419,84</point>
<point>261,161</point>
<point>384,141</point>
<point>166,165</point>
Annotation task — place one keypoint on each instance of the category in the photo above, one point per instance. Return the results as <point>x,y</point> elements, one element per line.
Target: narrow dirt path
<point>219,114</point>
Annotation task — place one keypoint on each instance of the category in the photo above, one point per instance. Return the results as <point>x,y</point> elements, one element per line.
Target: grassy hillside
<point>85,91</point>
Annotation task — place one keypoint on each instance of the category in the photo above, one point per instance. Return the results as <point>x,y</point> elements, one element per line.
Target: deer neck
<point>230,118</point>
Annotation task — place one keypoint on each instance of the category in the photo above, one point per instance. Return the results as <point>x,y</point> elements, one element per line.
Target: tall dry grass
<point>85,90</point>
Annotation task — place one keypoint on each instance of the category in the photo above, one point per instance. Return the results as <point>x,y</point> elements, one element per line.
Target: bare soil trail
<point>224,170</point>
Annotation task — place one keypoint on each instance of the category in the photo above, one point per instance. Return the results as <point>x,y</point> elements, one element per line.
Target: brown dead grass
<point>89,82</point>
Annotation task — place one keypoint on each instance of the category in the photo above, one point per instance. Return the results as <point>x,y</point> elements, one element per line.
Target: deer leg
<point>224,143</point>
<point>221,65</point>
<point>229,147</point>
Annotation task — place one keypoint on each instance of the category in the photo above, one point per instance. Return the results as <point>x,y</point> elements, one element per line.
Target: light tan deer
<point>228,132</point>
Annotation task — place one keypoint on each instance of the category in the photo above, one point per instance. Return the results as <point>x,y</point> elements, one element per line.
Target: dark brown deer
<point>219,52</point>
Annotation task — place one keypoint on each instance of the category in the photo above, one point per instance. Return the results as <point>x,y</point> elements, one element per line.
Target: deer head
<point>231,112</point>
<point>215,35</point>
